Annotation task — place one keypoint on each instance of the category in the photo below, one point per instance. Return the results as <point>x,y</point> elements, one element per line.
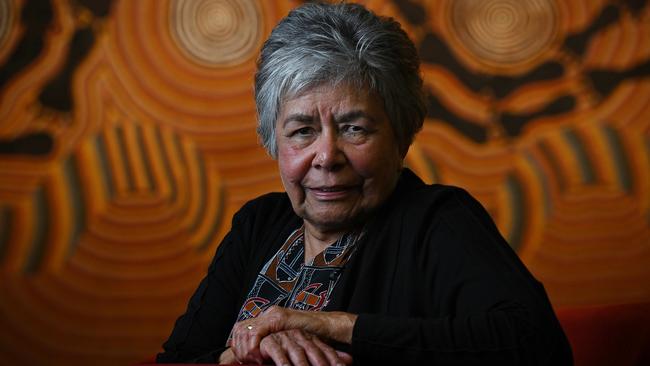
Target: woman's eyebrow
<point>298,117</point>
<point>353,115</point>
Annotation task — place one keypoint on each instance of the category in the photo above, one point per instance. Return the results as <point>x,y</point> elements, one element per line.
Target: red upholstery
<point>609,334</point>
<point>604,335</point>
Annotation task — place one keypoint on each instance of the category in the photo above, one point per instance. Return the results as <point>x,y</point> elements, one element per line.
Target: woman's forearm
<point>336,326</point>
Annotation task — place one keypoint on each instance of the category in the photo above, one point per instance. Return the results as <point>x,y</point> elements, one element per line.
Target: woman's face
<point>337,155</point>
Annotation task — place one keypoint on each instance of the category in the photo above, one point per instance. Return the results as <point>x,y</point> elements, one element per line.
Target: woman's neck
<point>317,240</point>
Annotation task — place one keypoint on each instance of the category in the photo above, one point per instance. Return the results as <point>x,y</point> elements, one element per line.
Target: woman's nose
<point>328,154</point>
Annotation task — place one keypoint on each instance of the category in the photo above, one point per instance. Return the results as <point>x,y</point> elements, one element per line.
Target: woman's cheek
<point>364,162</point>
<point>293,165</point>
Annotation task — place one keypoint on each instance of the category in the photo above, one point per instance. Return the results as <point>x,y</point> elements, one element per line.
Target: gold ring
<point>249,327</point>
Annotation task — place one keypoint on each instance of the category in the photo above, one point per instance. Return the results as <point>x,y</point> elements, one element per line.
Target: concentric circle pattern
<point>217,32</point>
<point>504,32</point>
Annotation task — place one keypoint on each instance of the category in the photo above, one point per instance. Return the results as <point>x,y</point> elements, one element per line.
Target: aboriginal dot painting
<point>127,142</point>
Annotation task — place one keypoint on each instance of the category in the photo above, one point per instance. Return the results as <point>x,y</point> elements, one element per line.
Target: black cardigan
<point>433,282</point>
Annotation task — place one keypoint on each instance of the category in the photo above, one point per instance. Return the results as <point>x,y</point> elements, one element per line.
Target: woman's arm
<point>278,329</point>
<point>505,335</point>
<point>474,302</point>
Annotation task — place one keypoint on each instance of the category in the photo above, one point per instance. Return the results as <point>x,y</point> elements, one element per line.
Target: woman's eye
<point>353,129</point>
<point>302,132</point>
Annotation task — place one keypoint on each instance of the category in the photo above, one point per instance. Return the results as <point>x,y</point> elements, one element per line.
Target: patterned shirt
<point>287,281</point>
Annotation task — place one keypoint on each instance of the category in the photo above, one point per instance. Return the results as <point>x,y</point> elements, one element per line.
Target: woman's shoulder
<point>412,193</point>
<point>266,207</point>
<point>417,204</point>
<point>268,212</point>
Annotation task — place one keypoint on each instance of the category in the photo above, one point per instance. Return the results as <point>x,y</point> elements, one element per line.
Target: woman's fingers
<point>333,356</point>
<point>266,337</point>
<point>270,348</point>
<point>345,357</point>
<point>245,342</point>
<point>311,350</point>
<point>283,350</point>
<point>299,348</point>
<point>297,353</point>
<point>248,334</point>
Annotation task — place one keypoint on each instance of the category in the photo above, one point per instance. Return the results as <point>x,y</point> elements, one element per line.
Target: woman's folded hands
<point>291,337</point>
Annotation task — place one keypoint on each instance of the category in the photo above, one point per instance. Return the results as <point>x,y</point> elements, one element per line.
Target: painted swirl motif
<point>216,32</point>
<point>504,32</point>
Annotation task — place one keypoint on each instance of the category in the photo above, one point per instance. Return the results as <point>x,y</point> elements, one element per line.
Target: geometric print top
<point>287,281</point>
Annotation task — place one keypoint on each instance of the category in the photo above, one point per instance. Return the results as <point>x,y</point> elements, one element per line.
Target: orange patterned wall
<point>127,142</point>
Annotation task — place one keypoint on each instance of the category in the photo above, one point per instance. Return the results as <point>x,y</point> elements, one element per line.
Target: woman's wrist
<point>341,326</point>
<point>335,325</point>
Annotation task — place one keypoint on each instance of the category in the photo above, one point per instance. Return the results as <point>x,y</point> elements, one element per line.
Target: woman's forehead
<point>329,95</point>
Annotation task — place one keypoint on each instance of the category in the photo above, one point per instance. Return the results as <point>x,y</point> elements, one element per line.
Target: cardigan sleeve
<point>200,334</point>
<point>489,308</point>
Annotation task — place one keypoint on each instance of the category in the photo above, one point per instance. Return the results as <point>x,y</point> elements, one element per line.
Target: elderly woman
<point>359,261</point>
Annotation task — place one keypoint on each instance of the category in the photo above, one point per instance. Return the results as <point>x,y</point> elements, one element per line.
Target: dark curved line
<point>504,85</point>
<point>517,202</point>
<point>550,157</point>
<point>36,17</point>
<point>128,167</point>
<point>151,182</point>
<point>577,42</point>
<point>164,157</point>
<point>216,222</point>
<point>177,150</point>
<point>6,223</point>
<point>621,161</point>
<point>605,81</point>
<point>577,145</point>
<point>513,124</point>
<point>103,166</point>
<point>201,191</point>
<point>40,231</point>
<point>436,52</point>
<point>34,144</point>
<point>57,94</point>
<point>436,110</point>
<point>77,205</point>
<point>543,180</point>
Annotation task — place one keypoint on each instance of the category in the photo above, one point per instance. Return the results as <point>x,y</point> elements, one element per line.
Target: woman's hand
<point>296,347</point>
<point>248,334</point>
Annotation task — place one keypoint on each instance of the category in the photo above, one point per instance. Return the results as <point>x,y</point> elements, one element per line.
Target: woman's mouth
<point>332,193</point>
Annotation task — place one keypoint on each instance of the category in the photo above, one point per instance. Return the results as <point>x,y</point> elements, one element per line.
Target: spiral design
<point>216,32</point>
<point>505,32</point>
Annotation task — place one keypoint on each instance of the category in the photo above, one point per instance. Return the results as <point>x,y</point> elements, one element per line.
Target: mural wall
<point>127,141</point>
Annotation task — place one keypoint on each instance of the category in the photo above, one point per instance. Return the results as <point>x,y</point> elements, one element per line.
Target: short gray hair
<point>333,43</point>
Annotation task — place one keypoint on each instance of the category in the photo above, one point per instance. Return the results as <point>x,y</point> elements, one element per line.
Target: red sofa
<point>605,335</point>
<point>608,334</point>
